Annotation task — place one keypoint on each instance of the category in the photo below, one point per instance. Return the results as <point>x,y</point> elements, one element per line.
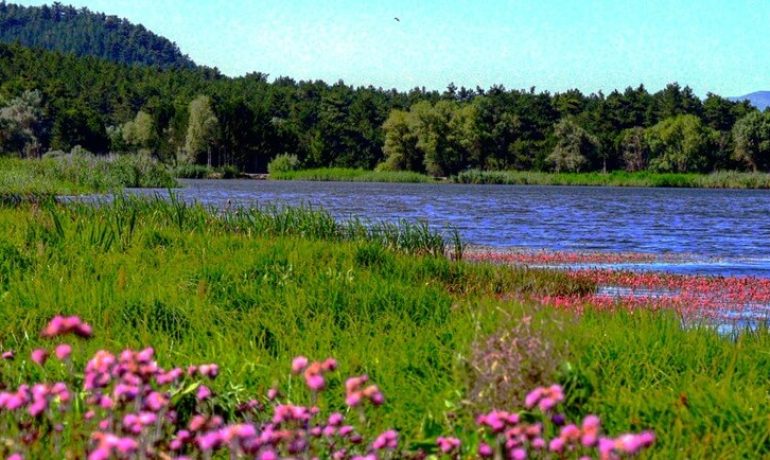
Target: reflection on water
<point>726,230</point>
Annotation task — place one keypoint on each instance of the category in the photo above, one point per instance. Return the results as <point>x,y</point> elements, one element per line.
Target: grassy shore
<point>352,175</point>
<point>78,174</point>
<point>722,179</point>
<point>443,339</point>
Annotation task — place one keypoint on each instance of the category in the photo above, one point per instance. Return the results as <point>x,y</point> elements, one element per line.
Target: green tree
<point>440,139</point>
<point>201,130</point>
<point>681,144</point>
<point>401,152</point>
<point>463,143</point>
<point>632,143</point>
<point>20,125</point>
<point>752,140</point>
<point>430,124</point>
<point>79,126</point>
<point>139,133</point>
<point>573,145</point>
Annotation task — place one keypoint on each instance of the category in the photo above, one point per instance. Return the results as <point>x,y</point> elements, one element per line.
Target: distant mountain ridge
<point>85,33</point>
<point>759,99</point>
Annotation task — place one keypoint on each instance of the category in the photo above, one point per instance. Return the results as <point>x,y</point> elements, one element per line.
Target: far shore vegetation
<point>281,169</point>
<point>199,123</point>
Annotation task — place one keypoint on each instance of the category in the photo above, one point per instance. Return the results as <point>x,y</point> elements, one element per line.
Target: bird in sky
<point>396,19</point>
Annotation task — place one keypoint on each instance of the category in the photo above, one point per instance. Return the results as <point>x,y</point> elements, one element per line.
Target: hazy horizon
<point>551,45</point>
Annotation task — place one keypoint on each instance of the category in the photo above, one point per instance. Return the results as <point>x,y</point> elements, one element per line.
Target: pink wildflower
<point>203,393</point>
<point>63,352</point>
<point>387,440</point>
<point>298,364</point>
<point>590,431</point>
<point>448,444</point>
<point>61,325</point>
<point>39,356</point>
<point>485,451</point>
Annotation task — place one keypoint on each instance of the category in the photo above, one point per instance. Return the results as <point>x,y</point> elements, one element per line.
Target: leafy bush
<point>283,163</point>
<point>192,171</point>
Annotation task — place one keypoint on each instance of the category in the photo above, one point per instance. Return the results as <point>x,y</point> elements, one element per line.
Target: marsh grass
<point>705,394</point>
<point>74,174</point>
<point>352,175</point>
<point>721,179</point>
<point>193,171</point>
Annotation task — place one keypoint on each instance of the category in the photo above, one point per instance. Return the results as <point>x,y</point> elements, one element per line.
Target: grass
<point>352,175</point>
<point>205,172</point>
<point>721,179</point>
<point>702,392</point>
<point>78,174</point>
<point>251,289</point>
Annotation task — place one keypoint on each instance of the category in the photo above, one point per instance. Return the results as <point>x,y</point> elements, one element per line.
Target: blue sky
<point>712,45</point>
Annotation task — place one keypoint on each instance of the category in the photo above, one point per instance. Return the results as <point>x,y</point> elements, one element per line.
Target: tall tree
<point>201,130</point>
<point>632,143</point>
<point>401,152</point>
<point>681,144</point>
<point>573,145</point>
<point>752,140</point>
<point>20,125</point>
<point>139,133</point>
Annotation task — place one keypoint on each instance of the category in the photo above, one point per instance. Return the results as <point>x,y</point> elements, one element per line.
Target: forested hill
<point>85,33</point>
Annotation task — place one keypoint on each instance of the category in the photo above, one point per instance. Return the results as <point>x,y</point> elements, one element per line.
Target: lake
<point>720,232</point>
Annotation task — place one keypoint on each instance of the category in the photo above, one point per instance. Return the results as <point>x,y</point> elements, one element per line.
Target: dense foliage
<point>84,33</point>
<point>195,115</point>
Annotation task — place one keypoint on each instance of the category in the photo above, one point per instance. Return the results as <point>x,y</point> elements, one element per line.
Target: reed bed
<point>720,179</point>
<point>80,173</point>
<point>352,175</point>
<point>193,171</point>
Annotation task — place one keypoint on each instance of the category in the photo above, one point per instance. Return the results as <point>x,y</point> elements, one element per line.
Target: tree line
<point>55,101</point>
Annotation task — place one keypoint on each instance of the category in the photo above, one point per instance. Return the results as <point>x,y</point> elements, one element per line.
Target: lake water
<point>722,232</point>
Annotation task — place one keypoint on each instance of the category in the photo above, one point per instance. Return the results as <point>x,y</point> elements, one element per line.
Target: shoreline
<point>714,180</point>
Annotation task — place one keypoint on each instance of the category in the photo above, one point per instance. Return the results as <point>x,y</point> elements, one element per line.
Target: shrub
<point>506,365</point>
<point>283,163</point>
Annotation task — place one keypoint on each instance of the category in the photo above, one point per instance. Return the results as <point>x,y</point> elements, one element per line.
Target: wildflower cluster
<point>523,435</point>
<point>127,406</point>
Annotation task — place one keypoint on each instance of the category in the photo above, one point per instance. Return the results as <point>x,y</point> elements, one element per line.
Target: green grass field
<point>252,289</point>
